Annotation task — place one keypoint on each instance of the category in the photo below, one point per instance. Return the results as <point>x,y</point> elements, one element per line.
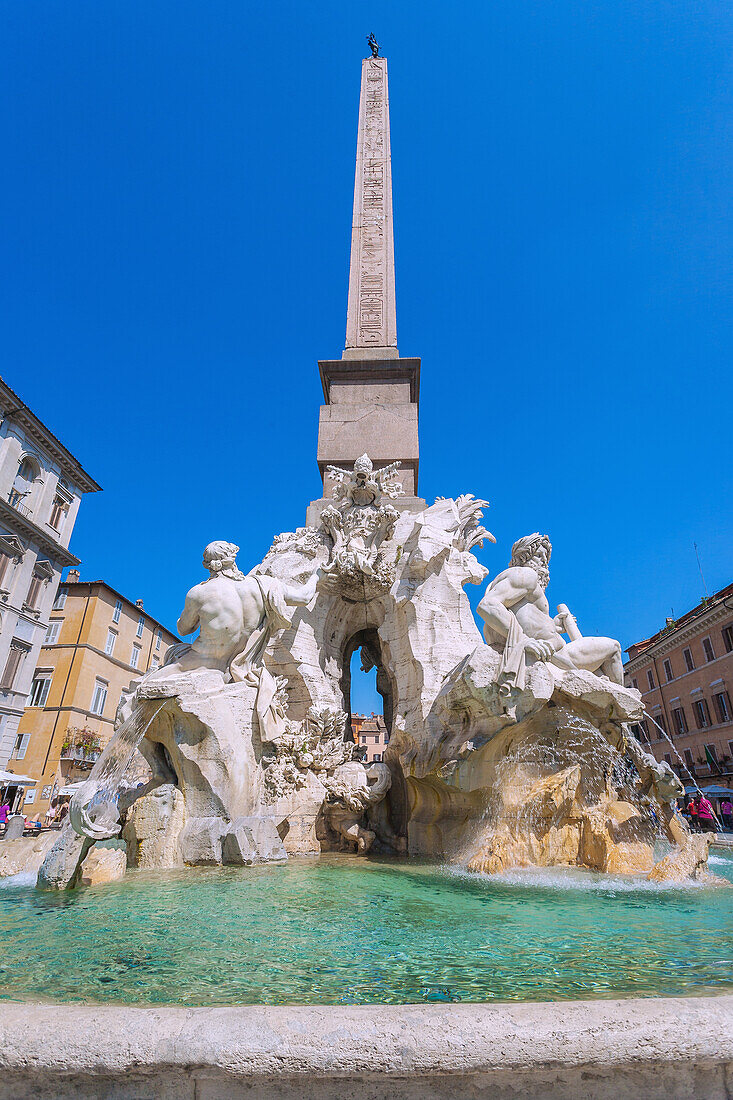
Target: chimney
<point>139,603</point>
<point>72,577</point>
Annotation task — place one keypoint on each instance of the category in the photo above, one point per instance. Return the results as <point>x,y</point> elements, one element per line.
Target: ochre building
<point>685,676</point>
<point>97,641</point>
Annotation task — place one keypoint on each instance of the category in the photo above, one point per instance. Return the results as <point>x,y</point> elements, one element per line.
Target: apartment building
<point>41,486</point>
<point>370,732</point>
<point>685,675</point>
<point>97,641</point>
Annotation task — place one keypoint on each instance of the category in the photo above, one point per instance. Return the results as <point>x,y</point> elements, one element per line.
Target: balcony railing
<point>80,757</point>
<point>16,499</point>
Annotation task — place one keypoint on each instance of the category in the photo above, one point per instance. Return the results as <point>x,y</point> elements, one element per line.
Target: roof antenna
<point>697,555</point>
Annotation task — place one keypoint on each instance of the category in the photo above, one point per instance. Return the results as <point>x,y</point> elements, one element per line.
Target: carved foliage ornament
<point>358,524</point>
<point>314,745</point>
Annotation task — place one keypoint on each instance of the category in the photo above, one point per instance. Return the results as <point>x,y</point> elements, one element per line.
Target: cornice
<point>12,517</point>
<point>678,637</point>
<point>16,410</point>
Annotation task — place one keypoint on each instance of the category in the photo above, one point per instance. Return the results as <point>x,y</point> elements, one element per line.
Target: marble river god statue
<point>511,749</point>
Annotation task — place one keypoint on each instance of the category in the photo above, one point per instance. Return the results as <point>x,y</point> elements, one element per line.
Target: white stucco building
<point>41,484</point>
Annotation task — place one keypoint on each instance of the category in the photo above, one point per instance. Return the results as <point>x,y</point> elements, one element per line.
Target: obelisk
<point>371,321</point>
<point>371,395</point>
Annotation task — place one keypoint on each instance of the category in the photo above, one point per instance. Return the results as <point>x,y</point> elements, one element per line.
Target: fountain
<point>515,844</point>
<point>511,750</point>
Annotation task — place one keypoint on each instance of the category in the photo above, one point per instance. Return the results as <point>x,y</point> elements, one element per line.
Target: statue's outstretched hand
<point>541,650</point>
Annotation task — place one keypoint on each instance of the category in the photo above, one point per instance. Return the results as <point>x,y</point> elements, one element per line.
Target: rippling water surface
<point>342,930</point>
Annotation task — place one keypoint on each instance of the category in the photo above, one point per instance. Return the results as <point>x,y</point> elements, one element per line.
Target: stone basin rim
<point>106,1042</point>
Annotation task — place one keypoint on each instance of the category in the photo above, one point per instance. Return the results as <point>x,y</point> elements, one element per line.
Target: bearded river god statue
<point>514,749</point>
<point>518,622</point>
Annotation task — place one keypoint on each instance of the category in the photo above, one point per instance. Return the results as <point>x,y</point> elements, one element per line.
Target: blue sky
<point>176,205</point>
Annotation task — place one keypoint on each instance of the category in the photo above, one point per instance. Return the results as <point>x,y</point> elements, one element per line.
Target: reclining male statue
<point>230,609</point>
<point>235,614</point>
<point>517,622</point>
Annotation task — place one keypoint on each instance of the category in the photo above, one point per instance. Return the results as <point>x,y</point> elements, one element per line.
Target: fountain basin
<point>339,929</point>
<point>600,1050</point>
<point>315,937</point>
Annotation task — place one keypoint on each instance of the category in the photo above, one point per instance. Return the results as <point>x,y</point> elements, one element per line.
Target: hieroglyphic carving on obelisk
<point>371,319</point>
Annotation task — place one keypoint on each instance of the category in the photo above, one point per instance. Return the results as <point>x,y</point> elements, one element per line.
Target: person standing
<point>706,816</point>
<point>692,810</point>
<point>4,815</point>
<point>726,812</point>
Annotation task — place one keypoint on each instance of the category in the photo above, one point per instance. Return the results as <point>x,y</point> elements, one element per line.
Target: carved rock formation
<point>512,752</point>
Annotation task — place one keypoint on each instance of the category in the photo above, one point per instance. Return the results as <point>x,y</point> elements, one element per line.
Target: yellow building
<point>97,641</point>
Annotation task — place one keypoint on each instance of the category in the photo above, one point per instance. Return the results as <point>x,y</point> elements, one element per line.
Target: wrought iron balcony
<point>16,499</point>
<point>80,757</point>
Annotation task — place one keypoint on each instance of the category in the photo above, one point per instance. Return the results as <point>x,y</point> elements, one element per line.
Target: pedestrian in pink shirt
<point>706,816</point>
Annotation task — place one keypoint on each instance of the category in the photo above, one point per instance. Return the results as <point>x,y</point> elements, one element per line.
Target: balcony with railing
<point>15,498</point>
<point>80,749</point>
<point>80,757</point>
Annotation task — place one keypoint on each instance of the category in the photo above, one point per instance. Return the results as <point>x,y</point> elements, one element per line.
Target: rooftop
<point>700,609</point>
<point>16,409</point>
<point>135,605</point>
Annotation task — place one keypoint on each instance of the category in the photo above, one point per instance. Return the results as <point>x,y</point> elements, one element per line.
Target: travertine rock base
<point>153,826</point>
<point>104,863</point>
<point>59,869</point>
<point>26,854</point>
<point>661,1049</point>
<point>688,860</point>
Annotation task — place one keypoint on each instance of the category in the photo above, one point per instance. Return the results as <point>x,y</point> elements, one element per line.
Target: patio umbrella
<point>717,792</point>
<point>8,779</point>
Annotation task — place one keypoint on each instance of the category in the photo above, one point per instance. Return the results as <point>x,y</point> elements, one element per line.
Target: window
<point>661,722</point>
<point>99,698</point>
<point>5,560</point>
<point>712,754</point>
<point>117,612</point>
<point>688,659</point>
<point>668,671</point>
<point>727,633</point>
<point>650,678</point>
<point>34,592</point>
<point>702,713</point>
<point>688,759</point>
<point>680,722</point>
<point>668,758</point>
<point>722,706</point>
<point>58,513</point>
<point>110,644</point>
<point>644,727</point>
<point>377,758</point>
<point>28,471</point>
<point>60,602</point>
<point>39,690</point>
<point>155,663</point>
<point>707,648</point>
<point>158,639</point>
<point>52,632</point>
<point>16,656</point>
<point>135,656</point>
<point>635,685</point>
<point>140,626</point>
<point>21,745</point>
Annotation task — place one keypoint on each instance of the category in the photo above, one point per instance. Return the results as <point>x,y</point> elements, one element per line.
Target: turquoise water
<point>343,930</point>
